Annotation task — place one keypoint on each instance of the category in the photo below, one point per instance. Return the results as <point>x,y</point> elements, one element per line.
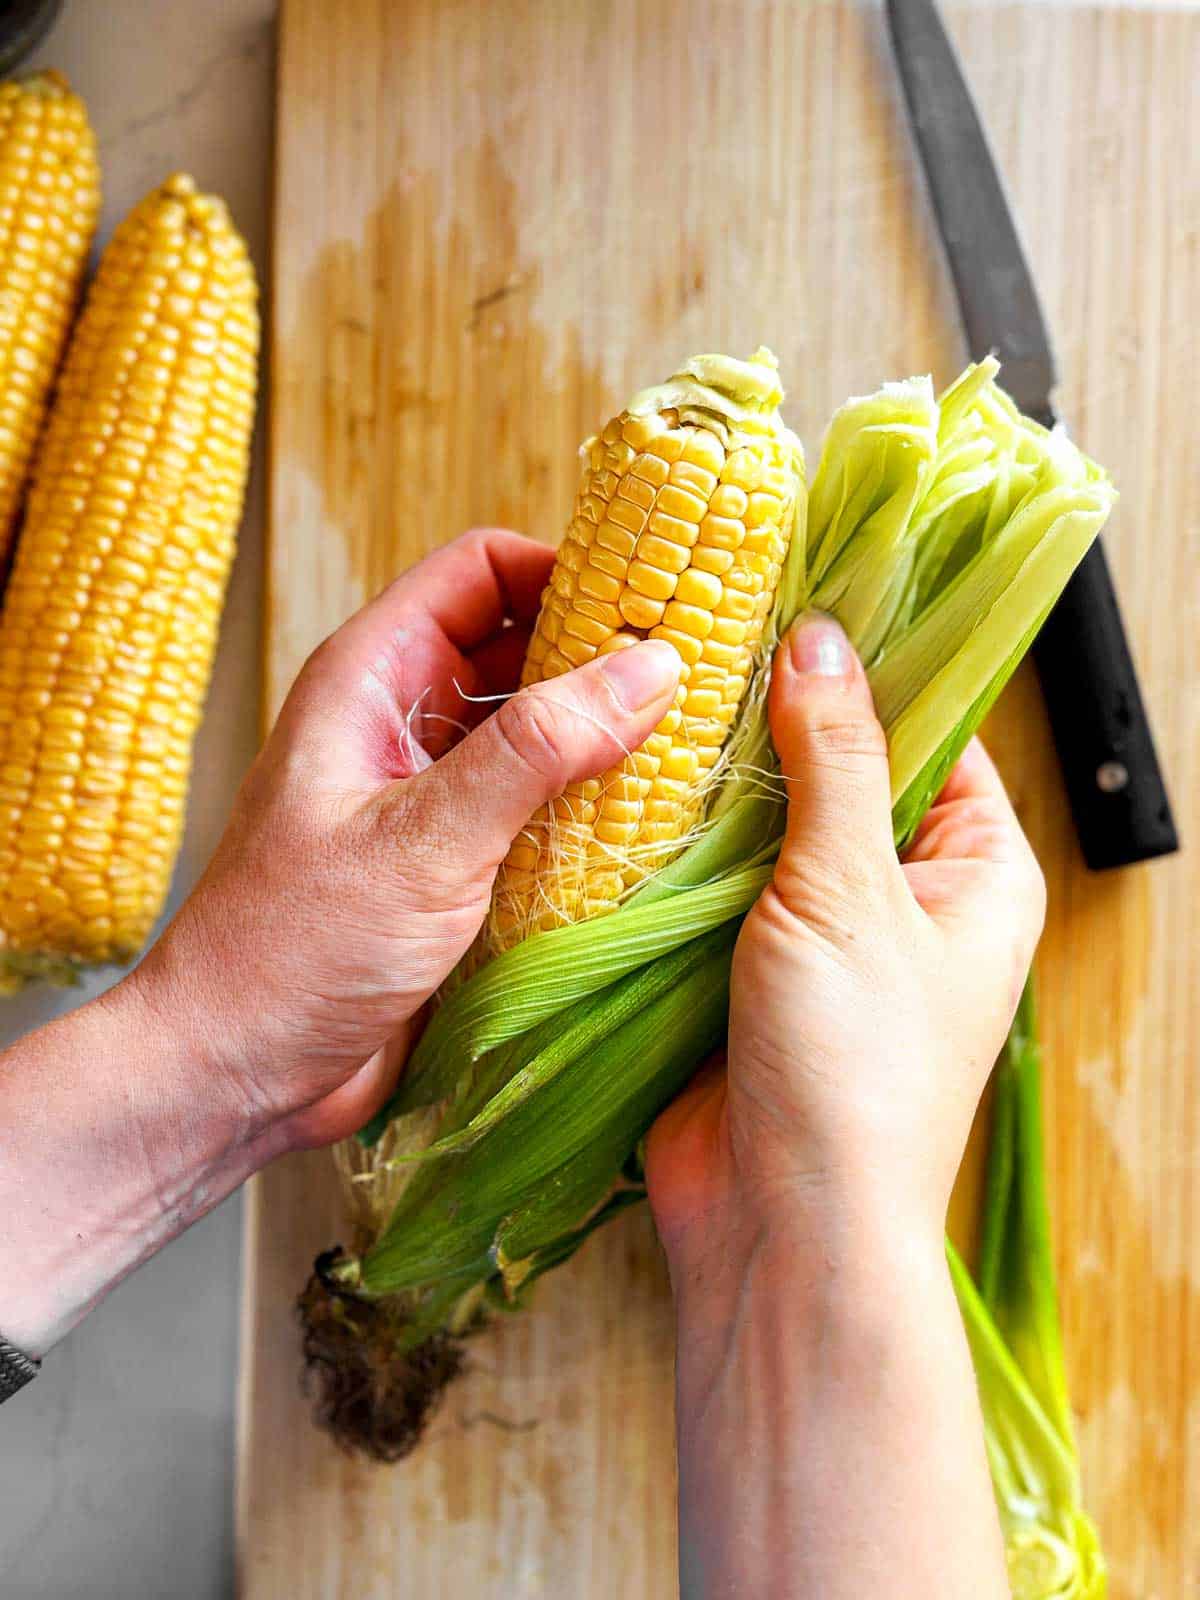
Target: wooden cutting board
<point>493,222</point>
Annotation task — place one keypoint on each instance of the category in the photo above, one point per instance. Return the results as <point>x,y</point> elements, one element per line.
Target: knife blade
<point>1098,720</point>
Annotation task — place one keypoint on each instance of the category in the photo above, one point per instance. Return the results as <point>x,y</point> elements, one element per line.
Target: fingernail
<point>643,673</point>
<point>819,648</point>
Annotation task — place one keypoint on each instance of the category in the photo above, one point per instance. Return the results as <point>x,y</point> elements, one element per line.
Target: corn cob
<point>111,615</point>
<point>49,201</point>
<point>679,532</point>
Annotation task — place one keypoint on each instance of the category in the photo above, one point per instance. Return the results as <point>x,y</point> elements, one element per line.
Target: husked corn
<point>662,545</point>
<point>110,618</point>
<point>49,202</point>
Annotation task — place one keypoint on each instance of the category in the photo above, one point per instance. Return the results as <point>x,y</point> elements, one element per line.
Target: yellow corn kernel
<point>639,431</point>
<point>617,810</point>
<point>695,621</point>
<point>619,641</point>
<point>706,559</point>
<point>664,832</point>
<point>627,515</point>
<point>744,469</point>
<point>729,501</point>
<point>699,588</point>
<point>673,529</point>
<point>681,503</point>
<point>723,533</point>
<point>669,444</point>
<point>599,585</point>
<point>611,536</point>
<point>734,603</point>
<point>742,578</point>
<point>651,581</point>
<point>686,474</point>
<point>727,630</point>
<point>651,469</point>
<point>687,647</point>
<point>577,651</point>
<point>110,617</point>
<point>523,854</point>
<point>718,654</point>
<point>760,508</point>
<point>679,764</point>
<point>660,810</point>
<point>637,491</point>
<point>673,790</point>
<point>608,561</point>
<point>615,833</point>
<point>663,554</point>
<point>581,626</point>
<point>703,703</point>
<point>766,541</point>
<point>703,449</point>
<point>49,202</point>
<point>639,611</point>
<point>601,611</point>
<point>555,663</point>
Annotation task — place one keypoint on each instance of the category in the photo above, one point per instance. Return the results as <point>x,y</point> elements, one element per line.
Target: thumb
<point>833,752</point>
<point>474,801</point>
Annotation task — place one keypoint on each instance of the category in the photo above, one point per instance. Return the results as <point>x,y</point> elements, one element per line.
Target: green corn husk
<point>940,533</point>
<point>1011,1318</point>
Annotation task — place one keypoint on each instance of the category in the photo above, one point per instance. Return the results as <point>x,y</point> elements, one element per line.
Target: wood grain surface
<point>493,222</point>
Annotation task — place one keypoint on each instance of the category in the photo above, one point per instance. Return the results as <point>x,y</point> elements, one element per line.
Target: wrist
<point>814,1233</point>
<point>112,1110</point>
<point>828,1361</point>
<point>770,1274</point>
<point>163,1004</point>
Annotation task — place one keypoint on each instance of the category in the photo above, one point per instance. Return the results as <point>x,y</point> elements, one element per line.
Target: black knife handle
<point>1101,731</point>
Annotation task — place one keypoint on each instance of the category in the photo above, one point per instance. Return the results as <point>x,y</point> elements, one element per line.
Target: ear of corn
<point>111,614</point>
<point>681,526</point>
<point>939,532</point>
<point>49,202</point>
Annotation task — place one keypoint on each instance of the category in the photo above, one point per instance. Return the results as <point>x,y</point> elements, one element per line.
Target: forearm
<point>830,1441</point>
<point>116,1132</point>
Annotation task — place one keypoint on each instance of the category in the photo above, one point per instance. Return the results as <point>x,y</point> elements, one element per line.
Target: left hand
<point>358,864</point>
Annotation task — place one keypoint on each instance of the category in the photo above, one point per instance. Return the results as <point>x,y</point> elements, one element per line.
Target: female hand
<point>801,1191</point>
<point>355,871</point>
<point>870,997</point>
<point>358,864</point>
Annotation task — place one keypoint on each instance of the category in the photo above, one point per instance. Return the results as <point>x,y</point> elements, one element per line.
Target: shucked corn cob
<point>49,201</point>
<point>680,528</point>
<point>111,615</point>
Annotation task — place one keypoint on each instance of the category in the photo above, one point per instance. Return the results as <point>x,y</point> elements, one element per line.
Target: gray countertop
<point>116,1466</point>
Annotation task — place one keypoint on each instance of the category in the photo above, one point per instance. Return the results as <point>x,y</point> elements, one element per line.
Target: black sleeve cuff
<point>16,1370</point>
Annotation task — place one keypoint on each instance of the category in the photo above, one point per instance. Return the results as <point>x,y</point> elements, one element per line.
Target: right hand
<point>870,998</point>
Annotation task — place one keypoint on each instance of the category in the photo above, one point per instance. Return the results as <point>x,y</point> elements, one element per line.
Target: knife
<point>1113,780</point>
